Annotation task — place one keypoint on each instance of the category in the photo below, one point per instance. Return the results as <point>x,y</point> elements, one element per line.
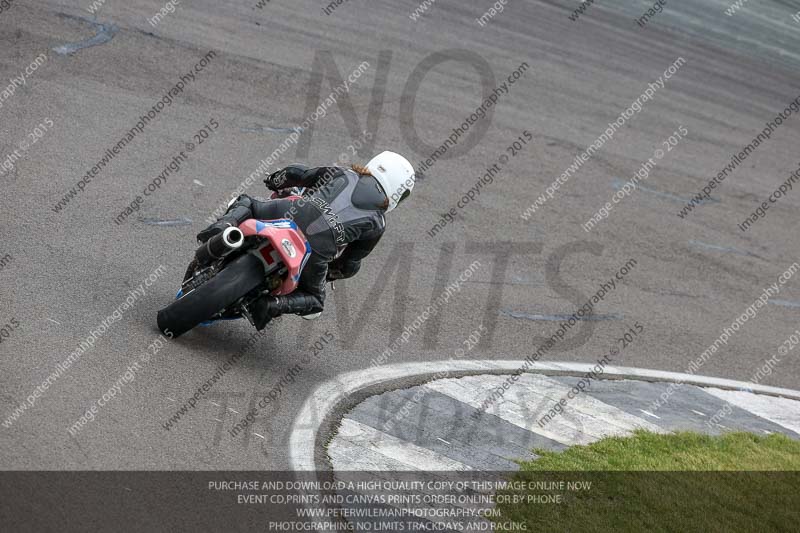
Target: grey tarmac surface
<point>68,270</point>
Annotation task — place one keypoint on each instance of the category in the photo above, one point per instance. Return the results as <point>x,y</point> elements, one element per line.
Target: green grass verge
<point>646,451</point>
<point>674,482</point>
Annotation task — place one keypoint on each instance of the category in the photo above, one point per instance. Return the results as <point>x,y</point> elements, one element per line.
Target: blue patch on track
<point>105,32</point>
<point>560,317</point>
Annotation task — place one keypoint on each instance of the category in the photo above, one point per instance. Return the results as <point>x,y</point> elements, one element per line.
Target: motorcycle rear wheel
<point>234,281</point>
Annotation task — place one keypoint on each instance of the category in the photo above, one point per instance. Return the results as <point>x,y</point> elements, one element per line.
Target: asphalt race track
<point>66,268</point>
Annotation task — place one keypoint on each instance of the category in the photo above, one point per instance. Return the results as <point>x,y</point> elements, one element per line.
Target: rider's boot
<point>239,211</point>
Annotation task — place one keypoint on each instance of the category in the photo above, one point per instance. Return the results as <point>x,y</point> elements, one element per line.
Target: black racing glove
<point>276,180</point>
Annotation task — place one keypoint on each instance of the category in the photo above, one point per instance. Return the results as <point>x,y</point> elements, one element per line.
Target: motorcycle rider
<point>341,209</point>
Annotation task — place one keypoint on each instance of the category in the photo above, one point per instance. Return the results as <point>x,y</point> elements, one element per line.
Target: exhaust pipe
<point>219,246</point>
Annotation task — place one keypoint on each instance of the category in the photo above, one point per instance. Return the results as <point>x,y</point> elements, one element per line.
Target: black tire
<point>236,280</point>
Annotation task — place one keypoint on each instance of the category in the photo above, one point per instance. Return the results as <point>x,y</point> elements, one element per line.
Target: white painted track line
<point>397,451</point>
<point>782,411</point>
<point>585,419</point>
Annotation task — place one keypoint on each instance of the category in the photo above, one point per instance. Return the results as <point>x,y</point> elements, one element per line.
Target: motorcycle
<point>234,268</point>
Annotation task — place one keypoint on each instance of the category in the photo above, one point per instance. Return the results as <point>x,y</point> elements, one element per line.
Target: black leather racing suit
<point>341,209</point>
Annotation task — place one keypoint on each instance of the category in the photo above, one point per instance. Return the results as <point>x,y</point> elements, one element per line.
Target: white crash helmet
<point>395,175</point>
